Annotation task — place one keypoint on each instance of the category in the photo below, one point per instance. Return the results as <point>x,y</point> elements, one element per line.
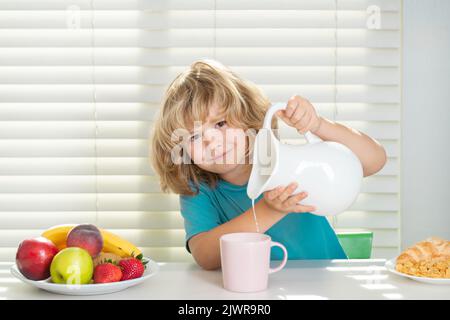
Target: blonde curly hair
<point>188,99</point>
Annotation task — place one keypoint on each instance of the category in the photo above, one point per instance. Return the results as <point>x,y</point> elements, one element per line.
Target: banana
<point>112,243</point>
<point>58,234</point>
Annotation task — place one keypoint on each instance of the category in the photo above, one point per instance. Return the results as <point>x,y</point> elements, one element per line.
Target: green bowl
<point>357,244</point>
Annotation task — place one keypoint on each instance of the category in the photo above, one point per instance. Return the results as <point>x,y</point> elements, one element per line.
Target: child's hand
<point>300,114</point>
<point>281,199</point>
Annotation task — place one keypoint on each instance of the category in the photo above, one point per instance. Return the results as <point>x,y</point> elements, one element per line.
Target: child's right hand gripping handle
<point>310,137</point>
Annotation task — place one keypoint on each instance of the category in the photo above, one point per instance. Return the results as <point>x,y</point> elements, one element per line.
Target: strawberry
<point>107,272</point>
<point>131,268</point>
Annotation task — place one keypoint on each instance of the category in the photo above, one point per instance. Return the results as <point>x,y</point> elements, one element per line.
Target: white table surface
<point>308,279</point>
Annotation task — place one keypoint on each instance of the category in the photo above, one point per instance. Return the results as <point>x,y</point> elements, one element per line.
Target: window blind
<point>81,82</point>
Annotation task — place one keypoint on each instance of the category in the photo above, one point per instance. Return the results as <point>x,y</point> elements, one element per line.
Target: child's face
<point>214,146</point>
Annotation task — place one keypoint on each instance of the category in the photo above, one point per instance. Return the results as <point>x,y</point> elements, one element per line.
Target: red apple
<point>34,256</point>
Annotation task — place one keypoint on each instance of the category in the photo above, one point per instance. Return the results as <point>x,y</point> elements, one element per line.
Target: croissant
<point>428,258</point>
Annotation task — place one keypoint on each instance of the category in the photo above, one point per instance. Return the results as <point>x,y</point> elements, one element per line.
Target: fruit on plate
<point>112,243</point>
<point>107,272</point>
<point>58,234</point>
<point>72,266</point>
<point>34,256</point>
<point>86,236</point>
<point>132,268</point>
<point>104,257</point>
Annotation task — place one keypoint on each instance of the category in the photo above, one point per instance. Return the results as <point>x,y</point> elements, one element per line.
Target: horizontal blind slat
<point>161,75</point>
<point>105,147</point>
<point>199,38</point>
<point>116,111</point>
<point>375,202</point>
<point>74,166</point>
<point>106,166</point>
<point>247,56</point>
<point>106,219</point>
<point>368,219</point>
<point>132,19</point>
<point>78,111</point>
<point>142,130</point>
<point>385,5</point>
<point>133,184</point>
<point>154,93</point>
<point>86,202</point>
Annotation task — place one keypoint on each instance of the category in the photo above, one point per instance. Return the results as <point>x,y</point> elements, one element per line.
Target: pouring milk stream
<point>329,171</point>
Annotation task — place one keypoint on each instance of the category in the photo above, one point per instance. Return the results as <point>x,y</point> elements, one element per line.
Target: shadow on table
<point>212,277</point>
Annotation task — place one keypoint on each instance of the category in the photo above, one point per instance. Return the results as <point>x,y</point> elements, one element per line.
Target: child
<point>201,150</point>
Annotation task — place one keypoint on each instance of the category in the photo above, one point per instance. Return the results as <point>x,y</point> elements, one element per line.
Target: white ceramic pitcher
<point>328,171</point>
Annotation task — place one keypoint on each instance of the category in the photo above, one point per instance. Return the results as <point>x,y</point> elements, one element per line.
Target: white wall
<point>425,121</point>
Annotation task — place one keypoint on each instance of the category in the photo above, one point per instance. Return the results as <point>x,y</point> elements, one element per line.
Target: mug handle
<point>285,256</point>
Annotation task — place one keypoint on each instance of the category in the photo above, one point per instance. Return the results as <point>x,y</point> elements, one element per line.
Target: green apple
<point>72,266</point>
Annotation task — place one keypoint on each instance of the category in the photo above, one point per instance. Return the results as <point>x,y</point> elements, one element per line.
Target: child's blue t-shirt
<point>305,236</point>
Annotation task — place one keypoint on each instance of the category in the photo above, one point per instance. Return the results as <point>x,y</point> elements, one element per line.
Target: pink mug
<point>245,258</point>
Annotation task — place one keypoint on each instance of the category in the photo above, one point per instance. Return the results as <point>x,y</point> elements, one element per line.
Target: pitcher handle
<point>310,137</point>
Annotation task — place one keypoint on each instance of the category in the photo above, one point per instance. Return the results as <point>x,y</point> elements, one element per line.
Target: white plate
<point>390,266</point>
<point>88,289</point>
